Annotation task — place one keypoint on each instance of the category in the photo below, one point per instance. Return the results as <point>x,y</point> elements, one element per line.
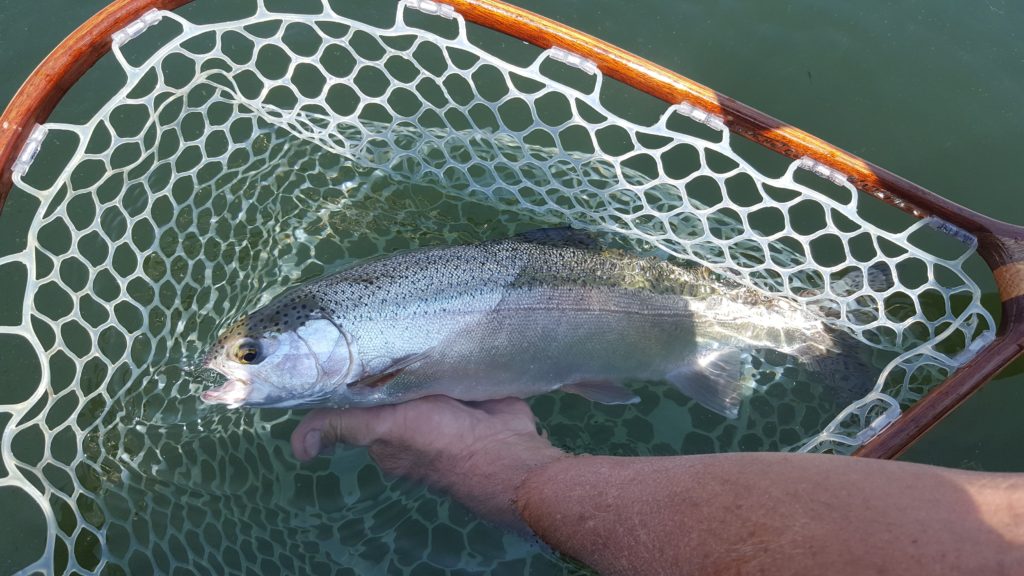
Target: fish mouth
<point>232,393</point>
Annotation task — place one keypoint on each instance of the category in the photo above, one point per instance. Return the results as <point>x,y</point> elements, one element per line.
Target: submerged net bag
<point>243,157</point>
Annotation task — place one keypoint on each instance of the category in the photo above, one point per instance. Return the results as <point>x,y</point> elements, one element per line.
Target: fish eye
<point>247,351</point>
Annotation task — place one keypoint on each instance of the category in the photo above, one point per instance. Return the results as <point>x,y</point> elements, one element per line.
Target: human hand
<point>477,452</point>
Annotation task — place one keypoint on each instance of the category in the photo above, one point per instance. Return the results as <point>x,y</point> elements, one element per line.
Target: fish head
<point>281,356</point>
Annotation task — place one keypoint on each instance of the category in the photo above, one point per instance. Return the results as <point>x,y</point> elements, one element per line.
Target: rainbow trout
<point>549,309</point>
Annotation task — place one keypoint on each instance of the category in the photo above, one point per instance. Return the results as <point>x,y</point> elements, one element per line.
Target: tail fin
<point>877,277</point>
<point>847,369</point>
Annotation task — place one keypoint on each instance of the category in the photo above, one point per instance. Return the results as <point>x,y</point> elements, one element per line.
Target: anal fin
<point>603,391</point>
<point>716,382</point>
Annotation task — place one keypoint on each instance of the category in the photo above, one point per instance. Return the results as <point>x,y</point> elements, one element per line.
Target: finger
<point>323,428</point>
<point>307,438</point>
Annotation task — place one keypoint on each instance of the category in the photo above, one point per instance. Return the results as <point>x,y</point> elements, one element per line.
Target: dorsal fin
<point>563,236</point>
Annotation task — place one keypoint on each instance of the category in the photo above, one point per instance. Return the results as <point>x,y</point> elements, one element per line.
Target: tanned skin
<point>756,513</point>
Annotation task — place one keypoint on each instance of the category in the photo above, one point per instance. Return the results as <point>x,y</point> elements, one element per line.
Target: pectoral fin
<point>716,381</point>
<point>603,391</point>
<point>388,374</point>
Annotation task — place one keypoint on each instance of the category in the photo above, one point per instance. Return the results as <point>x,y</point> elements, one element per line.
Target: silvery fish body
<point>545,310</point>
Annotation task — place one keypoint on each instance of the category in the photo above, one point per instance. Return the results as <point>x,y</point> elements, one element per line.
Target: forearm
<point>774,514</point>
<point>715,514</point>
<point>487,482</point>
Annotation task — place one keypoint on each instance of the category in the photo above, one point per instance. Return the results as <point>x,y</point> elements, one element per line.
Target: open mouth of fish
<point>232,393</point>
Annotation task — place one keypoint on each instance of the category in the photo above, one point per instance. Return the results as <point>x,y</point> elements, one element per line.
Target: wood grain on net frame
<point>1001,245</point>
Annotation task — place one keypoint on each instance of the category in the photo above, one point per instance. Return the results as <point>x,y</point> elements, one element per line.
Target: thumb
<point>323,428</point>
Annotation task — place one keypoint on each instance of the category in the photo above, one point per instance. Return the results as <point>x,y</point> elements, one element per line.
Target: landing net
<point>243,157</point>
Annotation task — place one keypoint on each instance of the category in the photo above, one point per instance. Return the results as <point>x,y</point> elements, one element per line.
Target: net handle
<point>999,243</point>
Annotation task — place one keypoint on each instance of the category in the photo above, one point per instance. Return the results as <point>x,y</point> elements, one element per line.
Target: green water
<point>931,92</point>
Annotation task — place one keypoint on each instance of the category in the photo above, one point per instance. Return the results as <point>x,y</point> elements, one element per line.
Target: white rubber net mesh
<point>243,157</point>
